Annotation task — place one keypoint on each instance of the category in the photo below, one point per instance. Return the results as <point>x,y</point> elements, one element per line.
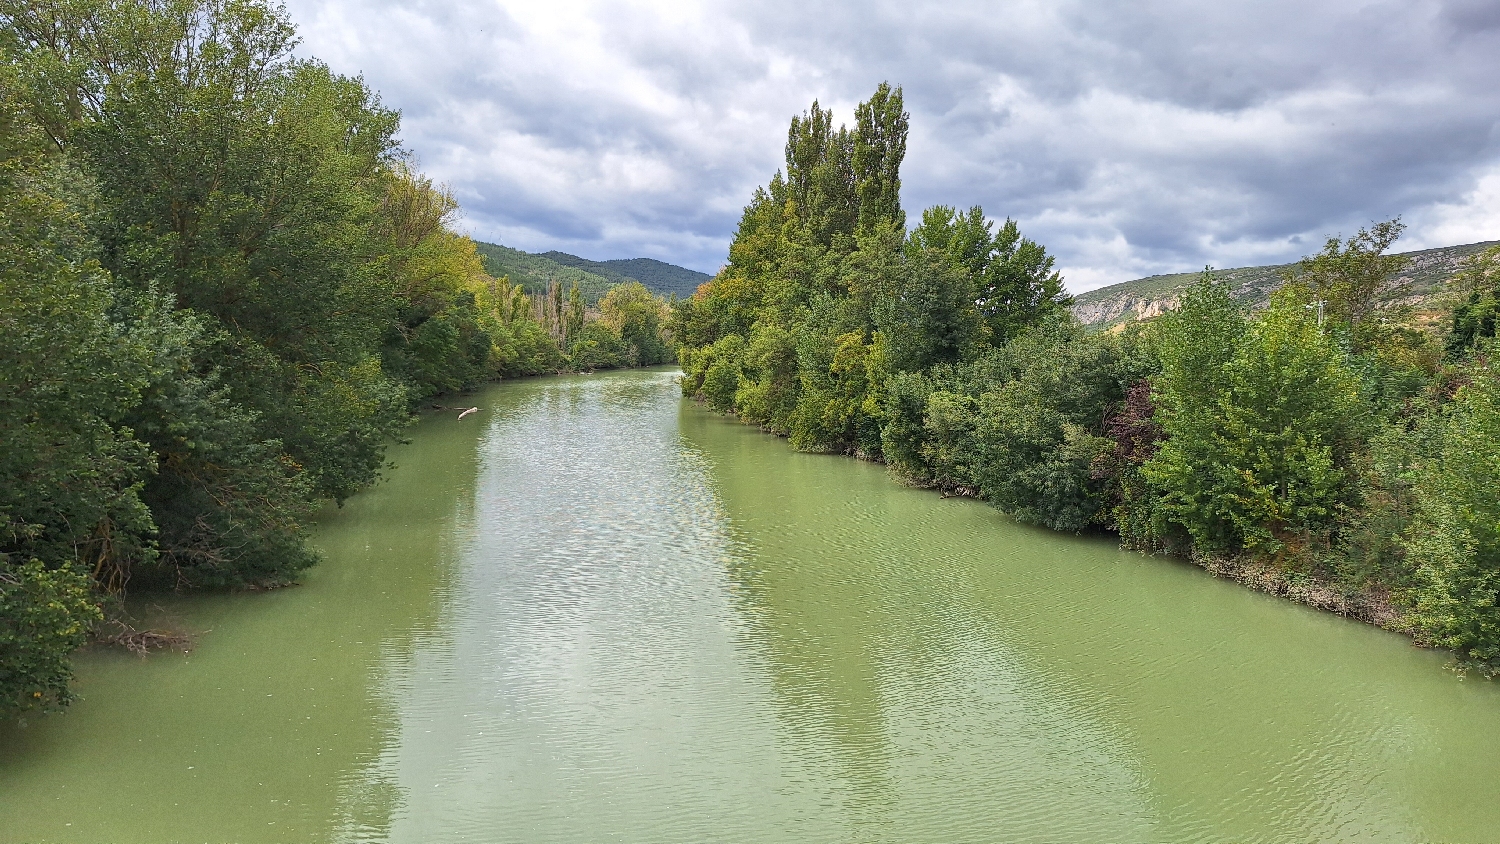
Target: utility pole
<point>1319,305</point>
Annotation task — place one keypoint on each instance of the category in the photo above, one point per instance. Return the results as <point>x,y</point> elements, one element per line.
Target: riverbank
<point>1376,607</point>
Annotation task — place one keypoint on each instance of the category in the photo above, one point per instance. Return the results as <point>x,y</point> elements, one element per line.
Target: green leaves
<point>1454,541</point>
<point>220,288</point>
<point>1011,280</point>
<point>1478,287</point>
<point>879,148</point>
<point>636,316</point>
<point>1260,418</point>
<point>45,615</point>
<point>1353,278</point>
<point>1039,431</point>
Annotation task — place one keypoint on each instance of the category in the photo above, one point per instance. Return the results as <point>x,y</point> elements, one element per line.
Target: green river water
<point>594,612</point>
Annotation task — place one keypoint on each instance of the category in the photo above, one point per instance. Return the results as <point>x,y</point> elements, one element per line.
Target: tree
<point>575,312</point>
<point>1018,287</point>
<point>929,318</point>
<point>1013,281</point>
<point>819,182</point>
<point>70,474</point>
<point>1038,435</point>
<point>1454,542</point>
<point>1477,285</point>
<point>45,614</point>
<point>636,316</point>
<point>1352,277</point>
<point>439,339</point>
<point>1261,418</point>
<point>879,148</point>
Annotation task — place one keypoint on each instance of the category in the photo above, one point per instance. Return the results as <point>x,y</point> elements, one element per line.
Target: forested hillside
<point>1329,444</point>
<point>659,277</point>
<point>223,291</point>
<point>1420,282</point>
<point>536,272</point>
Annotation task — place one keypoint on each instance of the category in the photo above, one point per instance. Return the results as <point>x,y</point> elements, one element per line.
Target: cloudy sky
<point>1129,138</point>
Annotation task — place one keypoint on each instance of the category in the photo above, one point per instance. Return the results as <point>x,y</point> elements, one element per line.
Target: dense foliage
<point>1328,437</point>
<point>223,290</point>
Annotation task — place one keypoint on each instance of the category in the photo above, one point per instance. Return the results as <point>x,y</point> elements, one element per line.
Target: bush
<point>45,615</point>
<point>1454,542</point>
<point>1039,434</point>
<point>1261,420</point>
<point>596,346</point>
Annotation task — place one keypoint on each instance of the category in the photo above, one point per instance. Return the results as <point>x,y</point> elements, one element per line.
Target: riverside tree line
<point>223,291</point>
<point>1329,439</point>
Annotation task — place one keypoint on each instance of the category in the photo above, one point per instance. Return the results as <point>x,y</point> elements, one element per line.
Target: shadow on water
<point>909,699</point>
<point>272,727</point>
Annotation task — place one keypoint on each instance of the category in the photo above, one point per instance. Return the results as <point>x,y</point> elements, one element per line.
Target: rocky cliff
<point>1145,298</point>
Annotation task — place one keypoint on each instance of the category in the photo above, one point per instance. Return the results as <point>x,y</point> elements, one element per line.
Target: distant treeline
<point>223,290</point>
<point>1330,444</point>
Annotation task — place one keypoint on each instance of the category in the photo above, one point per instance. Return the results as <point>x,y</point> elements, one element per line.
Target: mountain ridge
<point>534,271</point>
<point>1144,298</point>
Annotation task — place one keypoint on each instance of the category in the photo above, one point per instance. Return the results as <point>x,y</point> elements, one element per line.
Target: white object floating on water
<point>467,412</point>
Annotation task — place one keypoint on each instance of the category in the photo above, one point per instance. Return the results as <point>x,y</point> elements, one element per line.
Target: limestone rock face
<point>1145,298</point>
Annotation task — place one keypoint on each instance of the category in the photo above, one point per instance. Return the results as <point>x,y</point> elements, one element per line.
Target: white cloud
<point>1129,138</point>
<point>1473,218</point>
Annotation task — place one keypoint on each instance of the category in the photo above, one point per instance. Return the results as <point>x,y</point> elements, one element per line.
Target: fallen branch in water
<point>142,642</point>
<point>463,411</point>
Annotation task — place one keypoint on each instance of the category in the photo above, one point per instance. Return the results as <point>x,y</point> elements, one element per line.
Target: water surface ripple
<point>594,612</point>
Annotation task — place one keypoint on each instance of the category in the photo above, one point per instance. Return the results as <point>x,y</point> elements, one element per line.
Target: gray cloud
<point>1129,138</point>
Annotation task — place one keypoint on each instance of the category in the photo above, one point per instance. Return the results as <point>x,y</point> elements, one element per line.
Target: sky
<point>1128,138</point>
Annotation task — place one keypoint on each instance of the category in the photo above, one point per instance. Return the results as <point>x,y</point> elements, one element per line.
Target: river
<point>593,611</point>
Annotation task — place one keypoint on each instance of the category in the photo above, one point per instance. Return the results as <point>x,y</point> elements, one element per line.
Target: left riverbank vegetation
<point>1335,446</point>
<point>224,289</point>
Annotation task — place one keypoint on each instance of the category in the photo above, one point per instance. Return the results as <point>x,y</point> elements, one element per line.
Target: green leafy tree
<point>70,473</point>
<point>1038,435</point>
<point>713,373</point>
<point>1019,287</point>
<point>927,314</point>
<point>1477,285</point>
<point>576,313</point>
<point>879,148</point>
<point>1352,278</point>
<point>768,387</point>
<point>1454,541</point>
<point>637,316</point>
<point>1014,285</point>
<point>904,436</point>
<point>597,346</point>
<point>439,340</point>
<point>1261,418</point>
<point>46,613</point>
<point>819,184</point>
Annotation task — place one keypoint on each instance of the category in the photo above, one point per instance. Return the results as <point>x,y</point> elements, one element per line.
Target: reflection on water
<point>920,715</point>
<point>595,612</point>
<point>273,728</point>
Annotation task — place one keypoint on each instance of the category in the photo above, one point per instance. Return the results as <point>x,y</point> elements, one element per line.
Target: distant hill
<point>1147,297</point>
<point>658,276</point>
<point>535,272</point>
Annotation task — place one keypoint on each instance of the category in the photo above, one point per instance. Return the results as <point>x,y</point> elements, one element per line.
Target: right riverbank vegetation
<point>1331,446</point>
<point>224,290</point>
